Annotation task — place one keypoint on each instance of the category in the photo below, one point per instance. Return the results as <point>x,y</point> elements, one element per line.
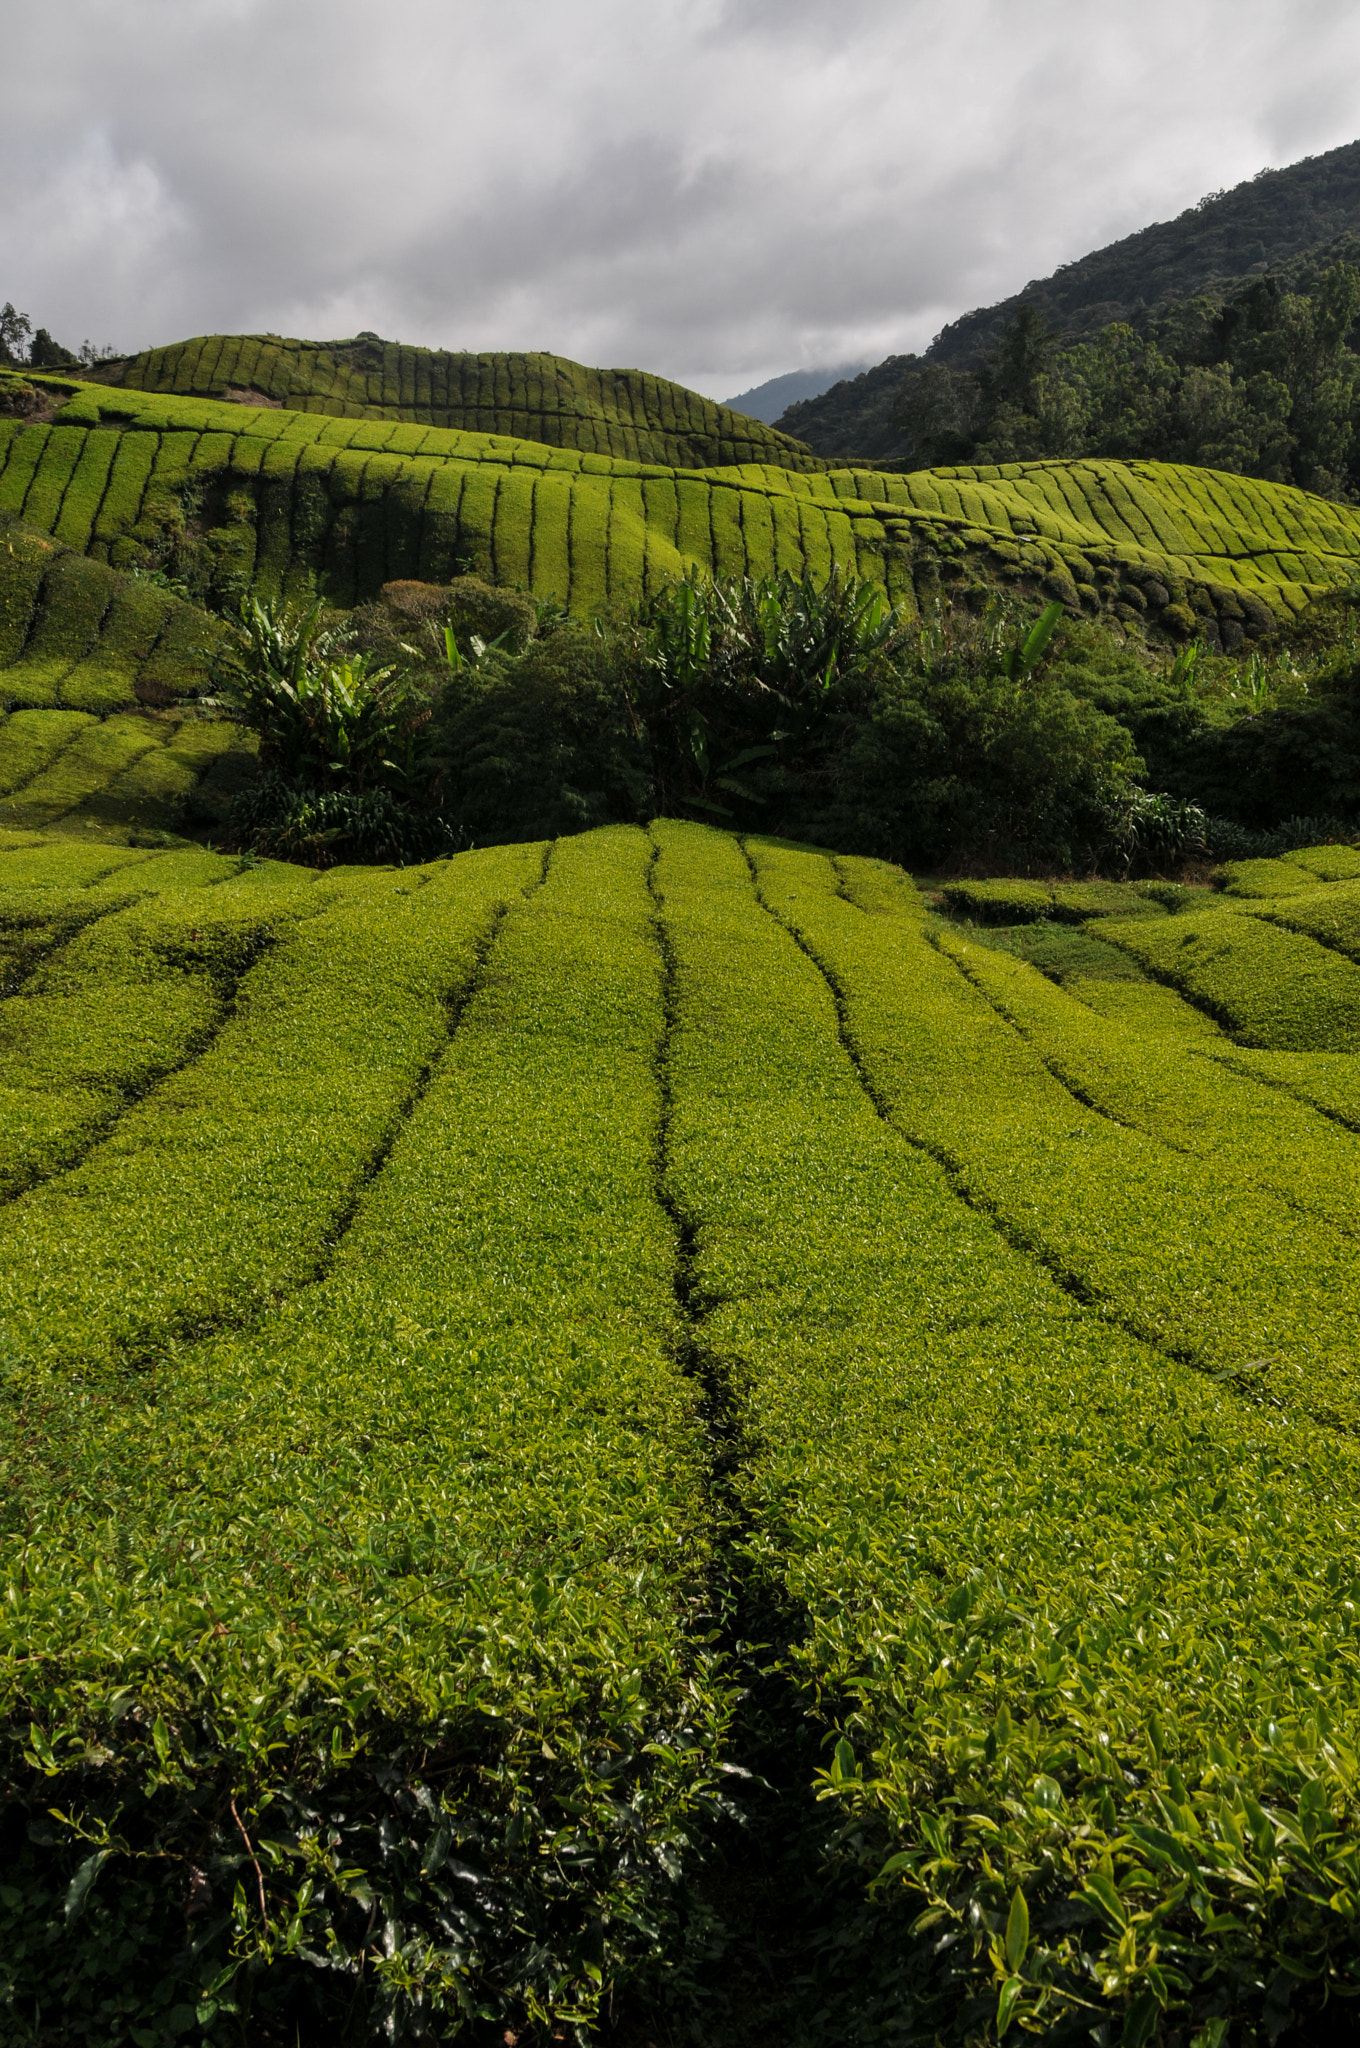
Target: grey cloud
<point>720,190</point>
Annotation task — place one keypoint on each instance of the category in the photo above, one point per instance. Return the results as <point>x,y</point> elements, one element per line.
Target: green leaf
<point>1140,2023</point>
<point>78,1889</point>
<point>1011,1993</point>
<point>1017,1931</point>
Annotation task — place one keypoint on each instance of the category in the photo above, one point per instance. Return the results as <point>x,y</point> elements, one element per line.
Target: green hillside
<point>627,413</point>
<point>504,1360</point>
<point>77,634</point>
<point>227,497</point>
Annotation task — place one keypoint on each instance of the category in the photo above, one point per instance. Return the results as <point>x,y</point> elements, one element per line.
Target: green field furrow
<point>1270,988</point>
<point>1249,1135</point>
<point>21,448</point>
<point>106,679</point>
<point>109,1013</point>
<point>1150,1237</point>
<point>24,563</point>
<point>94,758</point>
<point>150,795</point>
<point>329,1038</point>
<point>85,493</point>
<point>74,601</point>
<point>482,1591</point>
<point>1005,1528</point>
<point>1329,1082</point>
<point>30,740</point>
<point>1330,915</point>
<point>62,450</point>
<point>128,478</point>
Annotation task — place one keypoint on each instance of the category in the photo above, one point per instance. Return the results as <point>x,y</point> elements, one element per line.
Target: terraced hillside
<point>76,634</point>
<point>230,497</point>
<point>431,1299</point>
<point>628,413</point>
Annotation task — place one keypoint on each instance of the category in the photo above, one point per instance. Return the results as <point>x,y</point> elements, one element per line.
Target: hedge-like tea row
<point>1269,987</point>
<point>275,496</point>
<point>1086,1618</point>
<point>105,1016</point>
<point>533,397</point>
<point>75,635</point>
<point>217,1192</point>
<point>1253,879</point>
<point>396,1631</point>
<point>1020,902</point>
<point>1258,1137</point>
<point>1150,1236</point>
<point>1331,915</point>
<point>129,772</point>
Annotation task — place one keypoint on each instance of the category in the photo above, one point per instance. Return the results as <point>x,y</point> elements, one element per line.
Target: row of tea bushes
<point>128,773</point>
<point>74,634</point>
<point>133,993</point>
<point>1022,902</point>
<point>533,397</point>
<point>1149,1236</point>
<point>1254,1136</point>
<point>388,1615</point>
<point>1084,1619</point>
<point>1270,987</point>
<point>221,1189</point>
<point>273,496</point>
<point>1330,915</point>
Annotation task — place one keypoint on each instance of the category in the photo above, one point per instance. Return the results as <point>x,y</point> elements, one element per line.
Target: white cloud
<point>716,189</point>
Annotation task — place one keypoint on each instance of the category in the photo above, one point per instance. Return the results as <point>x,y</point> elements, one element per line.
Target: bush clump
<point>448,716</point>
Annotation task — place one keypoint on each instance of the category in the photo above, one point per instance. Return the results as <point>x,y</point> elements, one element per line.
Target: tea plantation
<point>505,1362</point>
<point>534,397</point>
<point>227,497</point>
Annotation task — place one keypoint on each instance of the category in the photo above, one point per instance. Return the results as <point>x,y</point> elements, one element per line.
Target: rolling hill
<point>544,398</point>
<point>266,498</point>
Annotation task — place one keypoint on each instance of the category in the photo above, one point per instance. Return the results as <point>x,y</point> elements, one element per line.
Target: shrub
<point>327,720</point>
<point>541,745</point>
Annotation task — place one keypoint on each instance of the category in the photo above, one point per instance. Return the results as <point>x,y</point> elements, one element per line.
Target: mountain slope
<point>768,400</point>
<point>1288,222</point>
<point>225,498</point>
<point>545,398</point>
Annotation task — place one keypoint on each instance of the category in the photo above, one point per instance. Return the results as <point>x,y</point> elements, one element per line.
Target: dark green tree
<point>15,329</point>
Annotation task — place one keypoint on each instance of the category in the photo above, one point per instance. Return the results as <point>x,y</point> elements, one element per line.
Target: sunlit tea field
<point>425,1293</point>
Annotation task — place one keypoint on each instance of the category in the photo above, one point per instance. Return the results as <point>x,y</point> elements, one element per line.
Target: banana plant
<point>323,715</point>
<point>1024,655</point>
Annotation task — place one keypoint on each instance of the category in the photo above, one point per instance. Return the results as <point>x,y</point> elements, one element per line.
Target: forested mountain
<point>1292,225</point>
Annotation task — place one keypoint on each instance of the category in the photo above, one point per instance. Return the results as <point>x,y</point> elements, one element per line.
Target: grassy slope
<point>76,635</point>
<point>275,496</point>
<point>1059,1485</point>
<point>534,397</point>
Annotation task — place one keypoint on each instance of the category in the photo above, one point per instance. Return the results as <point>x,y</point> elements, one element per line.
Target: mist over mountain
<point>768,400</point>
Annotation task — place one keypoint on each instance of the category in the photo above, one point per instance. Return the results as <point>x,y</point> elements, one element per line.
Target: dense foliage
<point>1266,385</point>
<point>814,710</point>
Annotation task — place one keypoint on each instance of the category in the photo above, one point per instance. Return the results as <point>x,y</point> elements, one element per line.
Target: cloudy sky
<point>719,190</point>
